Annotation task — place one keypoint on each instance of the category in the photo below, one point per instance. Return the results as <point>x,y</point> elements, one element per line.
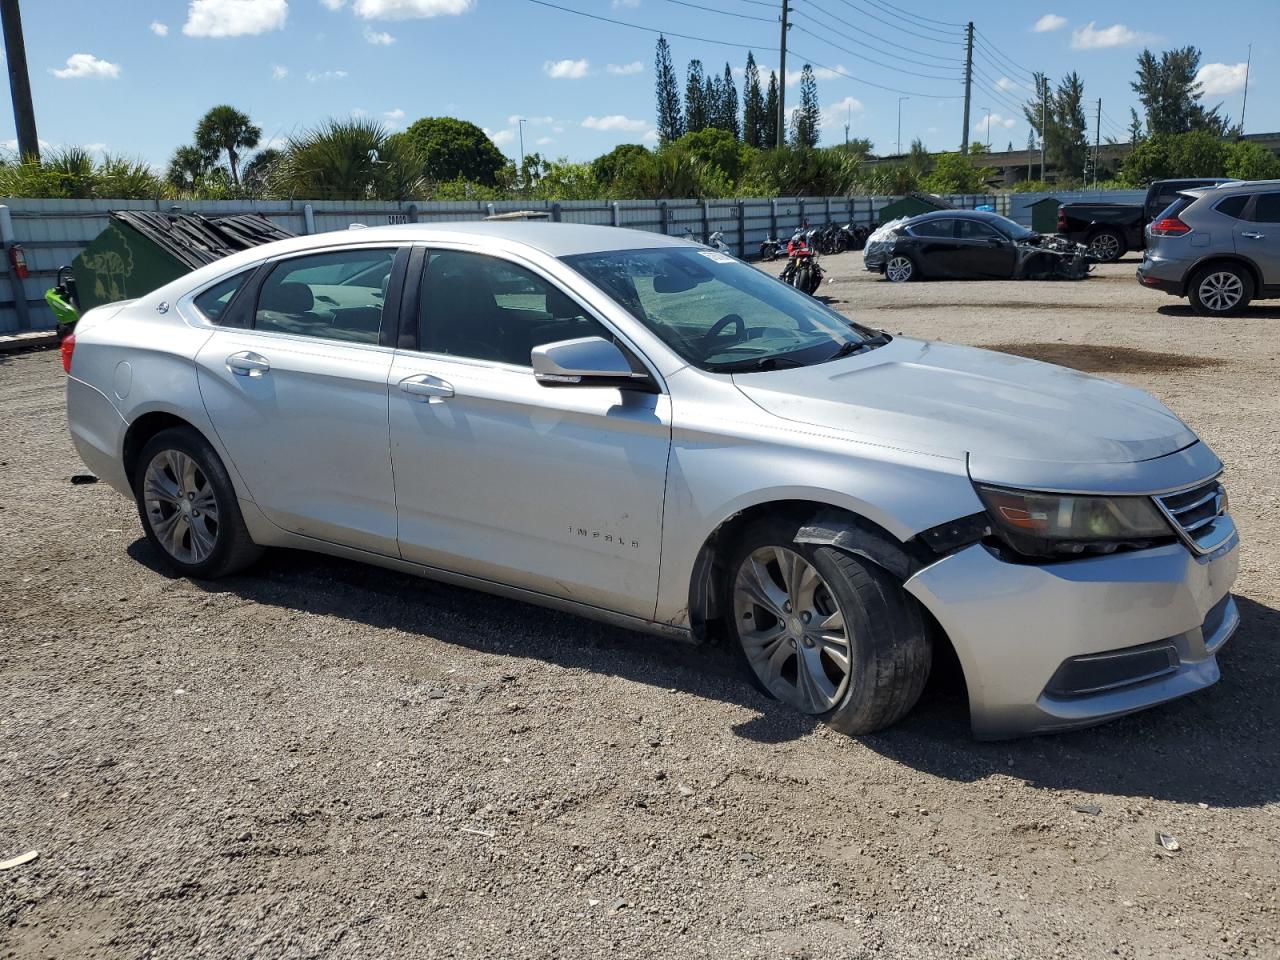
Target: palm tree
<point>187,167</point>
<point>226,128</point>
<point>349,160</point>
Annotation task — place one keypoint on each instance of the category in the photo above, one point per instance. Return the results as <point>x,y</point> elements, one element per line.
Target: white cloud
<point>323,75</point>
<point>334,4</point>
<point>410,9</point>
<point>159,29</point>
<point>557,129</point>
<point>1220,78</point>
<point>393,117</point>
<point>80,65</point>
<point>566,69</point>
<point>1009,86</point>
<point>43,144</point>
<point>96,147</point>
<point>499,137</point>
<point>1050,21</point>
<point>625,69</point>
<point>1090,38</point>
<point>234,18</point>
<point>651,136</point>
<point>359,112</point>
<point>379,38</point>
<point>278,72</point>
<point>997,121</point>
<point>836,115</point>
<point>625,4</point>
<point>531,121</point>
<point>545,141</point>
<point>614,121</point>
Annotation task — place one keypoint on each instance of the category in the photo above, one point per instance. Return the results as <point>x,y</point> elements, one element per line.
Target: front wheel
<point>1107,246</point>
<point>1221,290</point>
<point>900,269</point>
<point>188,506</point>
<point>828,633</point>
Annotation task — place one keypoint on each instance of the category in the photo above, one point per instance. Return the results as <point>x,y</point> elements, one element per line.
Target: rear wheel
<point>1221,290</point>
<point>824,631</point>
<point>189,508</point>
<point>900,269</point>
<point>1107,246</point>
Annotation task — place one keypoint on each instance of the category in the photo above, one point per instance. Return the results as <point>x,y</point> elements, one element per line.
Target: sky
<point>132,77</point>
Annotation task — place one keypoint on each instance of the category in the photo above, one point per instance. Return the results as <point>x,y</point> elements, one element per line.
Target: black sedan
<point>970,245</point>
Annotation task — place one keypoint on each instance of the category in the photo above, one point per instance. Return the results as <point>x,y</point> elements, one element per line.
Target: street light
<point>900,99</point>
<point>520,125</point>
<point>988,109</point>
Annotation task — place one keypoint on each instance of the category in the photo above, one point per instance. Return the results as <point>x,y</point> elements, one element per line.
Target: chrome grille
<point>1200,515</point>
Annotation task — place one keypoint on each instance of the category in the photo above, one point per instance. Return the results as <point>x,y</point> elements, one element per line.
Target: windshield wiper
<point>853,346</point>
<point>754,363</point>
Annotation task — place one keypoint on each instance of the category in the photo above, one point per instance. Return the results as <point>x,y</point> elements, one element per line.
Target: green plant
<point>226,128</point>
<point>449,149</point>
<point>349,160</point>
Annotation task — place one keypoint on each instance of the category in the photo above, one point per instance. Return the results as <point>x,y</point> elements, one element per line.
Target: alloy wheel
<point>1221,291</point>
<point>792,630</point>
<point>1105,247</point>
<point>181,507</point>
<point>899,269</point>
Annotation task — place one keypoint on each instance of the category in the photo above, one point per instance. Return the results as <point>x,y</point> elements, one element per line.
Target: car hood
<point>1013,419</point>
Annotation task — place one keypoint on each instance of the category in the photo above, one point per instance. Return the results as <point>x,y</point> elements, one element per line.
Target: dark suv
<point>1219,246</point>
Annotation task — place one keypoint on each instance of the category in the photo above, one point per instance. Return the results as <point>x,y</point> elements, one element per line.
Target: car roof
<point>958,214</point>
<point>1234,186</point>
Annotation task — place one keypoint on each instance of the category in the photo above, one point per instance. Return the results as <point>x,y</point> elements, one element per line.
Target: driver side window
<point>975,230</point>
<point>485,308</point>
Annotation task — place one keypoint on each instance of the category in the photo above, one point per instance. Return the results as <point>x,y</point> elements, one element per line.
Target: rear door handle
<point>426,388</point>
<point>1254,236</point>
<point>248,364</point>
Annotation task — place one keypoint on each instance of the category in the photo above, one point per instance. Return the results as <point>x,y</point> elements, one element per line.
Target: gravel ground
<point>325,759</point>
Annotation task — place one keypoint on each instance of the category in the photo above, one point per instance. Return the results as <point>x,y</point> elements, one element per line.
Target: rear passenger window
<point>1233,206</point>
<point>213,302</point>
<point>934,228</point>
<point>337,296</point>
<point>1267,208</point>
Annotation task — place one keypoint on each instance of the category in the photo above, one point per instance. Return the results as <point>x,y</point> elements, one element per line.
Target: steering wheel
<point>721,324</point>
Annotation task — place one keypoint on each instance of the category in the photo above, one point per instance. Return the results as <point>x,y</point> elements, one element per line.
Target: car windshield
<point>720,314</point>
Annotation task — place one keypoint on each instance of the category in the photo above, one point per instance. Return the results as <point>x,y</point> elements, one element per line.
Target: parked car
<point>969,245</point>
<point>1110,230</point>
<point>645,431</point>
<point>1217,246</point>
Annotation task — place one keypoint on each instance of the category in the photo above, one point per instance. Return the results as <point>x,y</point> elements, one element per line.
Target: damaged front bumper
<point>1045,257</point>
<point>1049,647</point>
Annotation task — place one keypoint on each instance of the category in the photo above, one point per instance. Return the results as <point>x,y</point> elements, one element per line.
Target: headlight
<point>1057,525</point>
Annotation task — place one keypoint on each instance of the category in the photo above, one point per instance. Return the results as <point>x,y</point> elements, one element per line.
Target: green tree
<point>697,105</point>
<point>955,173</point>
<point>670,123</point>
<point>611,167</point>
<point>452,149</point>
<point>752,106</point>
<point>769,125</point>
<point>807,120</point>
<point>350,160</point>
<point>1170,93</point>
<point>717,149</point>
<point>187,168</point>
<point>1246,160</point>
<point>257,172</point>
<point>1135,127</point>
<point>727,104</point>
<point>224,128</point>
<point>1196,153</point>
<point>1068,144</point>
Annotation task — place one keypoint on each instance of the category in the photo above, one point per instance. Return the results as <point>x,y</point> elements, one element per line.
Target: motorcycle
<point>855,236</point>
<point>771,249</point>
<point>803,270</point>
<point>829,239</point>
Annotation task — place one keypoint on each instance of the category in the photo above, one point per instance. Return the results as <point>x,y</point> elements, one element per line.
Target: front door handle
<point>1254,236</point>
<point>427,389</point>
<point>248,364</point>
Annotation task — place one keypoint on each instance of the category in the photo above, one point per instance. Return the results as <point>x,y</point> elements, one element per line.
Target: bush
<point>348,160</point>
<point>1246,160</point>
<point>451,149</point>
<point>72,174</point>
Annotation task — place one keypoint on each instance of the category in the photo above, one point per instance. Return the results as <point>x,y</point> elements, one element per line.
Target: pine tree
<point>1069,150</point>
<point>769,123</point>
<point>1170,93</point>
<point>728,102</point>
<point>696,105</point>
<point>753,106</point>
<point>711,99</point>
<point>670,125</point>
<point>807,119</point>
<point>1135,127</point>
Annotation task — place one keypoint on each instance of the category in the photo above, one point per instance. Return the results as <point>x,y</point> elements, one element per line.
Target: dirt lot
<point>323,759</point>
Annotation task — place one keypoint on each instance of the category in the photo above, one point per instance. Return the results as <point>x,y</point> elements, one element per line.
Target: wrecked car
<point>970,245</point>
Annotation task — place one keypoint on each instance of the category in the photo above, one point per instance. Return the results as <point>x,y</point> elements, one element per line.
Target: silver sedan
<point>649,432</point>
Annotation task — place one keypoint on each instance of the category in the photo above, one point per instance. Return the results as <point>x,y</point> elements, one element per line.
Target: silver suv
<point>1219,246</point>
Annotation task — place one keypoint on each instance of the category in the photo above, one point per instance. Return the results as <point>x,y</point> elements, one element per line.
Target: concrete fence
<point>53,232</point>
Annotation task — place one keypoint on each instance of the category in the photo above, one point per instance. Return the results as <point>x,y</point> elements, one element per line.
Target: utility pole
<point>968,85</point>
<point>988,112</point>
<point>847,124</point>
<point>1044,119</point>
<point>900,99</point>
<point>1247,64</point>
<point>520,125</point>
<point>782,79</point>
<point>24,114</point>
<point>1097,143</point>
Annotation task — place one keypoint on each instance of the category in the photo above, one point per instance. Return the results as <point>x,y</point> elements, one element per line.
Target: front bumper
<point>1055,646</point>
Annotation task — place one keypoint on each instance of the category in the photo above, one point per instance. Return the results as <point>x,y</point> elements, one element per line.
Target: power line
<point>915,16</point>
<point>869,83</point>
<point>760,3</point>
<point>896,26</point>
<point>638,26</point>
<point>739,16</point>
<point>888,53</point>
<point>996,93</point>
<point>912,73</point>
<point>990,45</point>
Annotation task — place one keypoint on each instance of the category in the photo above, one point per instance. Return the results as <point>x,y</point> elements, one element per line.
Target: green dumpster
<point>912,206</point>
<point>140,251</point>
<point>1044,215</point>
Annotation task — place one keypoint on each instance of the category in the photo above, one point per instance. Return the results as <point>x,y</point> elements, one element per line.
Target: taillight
<point>1169,227</point>
<point>18,262</point>
<point>67,347</point>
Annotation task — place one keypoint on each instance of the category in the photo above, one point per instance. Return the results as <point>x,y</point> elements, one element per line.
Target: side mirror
<point>995,241</point>
<point>584,362</point>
